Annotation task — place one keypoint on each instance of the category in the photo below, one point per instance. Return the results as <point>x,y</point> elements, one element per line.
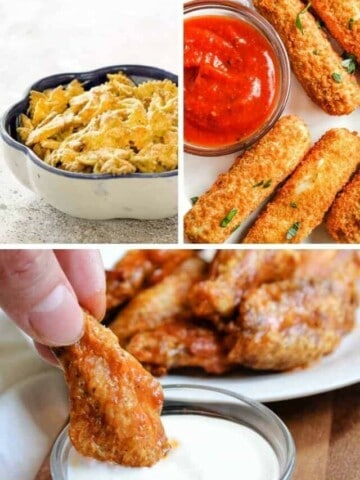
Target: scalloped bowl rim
<point>83,176</point>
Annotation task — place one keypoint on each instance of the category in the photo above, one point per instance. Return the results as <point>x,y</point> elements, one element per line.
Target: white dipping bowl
<point>141,196</point>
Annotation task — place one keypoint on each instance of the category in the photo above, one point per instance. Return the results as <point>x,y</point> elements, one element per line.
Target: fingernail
<point>58,318</point>
<point>96,304</point>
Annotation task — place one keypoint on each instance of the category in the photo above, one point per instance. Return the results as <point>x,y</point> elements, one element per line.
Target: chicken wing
<point>159,304</point>
<point>179,344</point>
<point>324,264</point>
<point>139,268</point>
<point>232,273</point>
<point>115,404</point>
<point>290,324</point>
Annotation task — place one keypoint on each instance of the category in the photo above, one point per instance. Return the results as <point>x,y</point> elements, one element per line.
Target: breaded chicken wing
<point>290,324</point>
<point>115,404</point>
<point>159,304</point>
<point>139,268</point>
<point>179,344</point>
<point>232,273</point>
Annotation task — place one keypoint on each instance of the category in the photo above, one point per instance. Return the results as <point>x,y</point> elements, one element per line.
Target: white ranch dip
<point>206,449</point>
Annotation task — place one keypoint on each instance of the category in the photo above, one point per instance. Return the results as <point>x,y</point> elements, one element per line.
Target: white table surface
<point>40,38</point>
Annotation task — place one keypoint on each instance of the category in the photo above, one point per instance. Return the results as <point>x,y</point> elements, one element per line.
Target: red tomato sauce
<point>231,80</point>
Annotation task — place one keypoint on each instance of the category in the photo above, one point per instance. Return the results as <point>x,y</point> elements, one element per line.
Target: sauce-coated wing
<point>115,404</point>
<point>139,268</point>
<point>179,344</point>
<point>233,272</point>
<point>159,304</point>
<point>289,324</point>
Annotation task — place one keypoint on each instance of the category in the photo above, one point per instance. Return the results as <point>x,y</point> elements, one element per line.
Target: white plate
<point>201,172</point>
<point>337,370</point>
<point>334,371</point>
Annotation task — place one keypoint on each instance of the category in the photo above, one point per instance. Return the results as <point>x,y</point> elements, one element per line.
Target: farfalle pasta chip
<point>117,127</point>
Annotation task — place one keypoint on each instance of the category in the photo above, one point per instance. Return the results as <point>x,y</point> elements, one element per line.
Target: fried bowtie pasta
<point>117,127</point>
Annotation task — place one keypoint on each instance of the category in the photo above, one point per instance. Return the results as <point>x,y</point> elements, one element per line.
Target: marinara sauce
<point>231,80</point>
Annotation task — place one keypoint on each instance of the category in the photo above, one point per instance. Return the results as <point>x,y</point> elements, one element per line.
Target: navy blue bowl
<point>10,120</point>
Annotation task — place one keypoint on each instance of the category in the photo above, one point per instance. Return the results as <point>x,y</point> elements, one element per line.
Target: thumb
<point>36,294</point>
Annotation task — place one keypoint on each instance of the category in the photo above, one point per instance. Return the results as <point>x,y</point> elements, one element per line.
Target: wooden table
<point>326,430</point>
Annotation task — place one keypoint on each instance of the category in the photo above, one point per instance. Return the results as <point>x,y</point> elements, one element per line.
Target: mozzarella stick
<point>314,61</point>
<point>342,19</point>
<point>252,178</point>
<point>343,219</point>
<point>300,205</point>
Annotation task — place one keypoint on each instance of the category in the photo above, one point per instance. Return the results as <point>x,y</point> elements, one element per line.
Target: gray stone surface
<point>25,218</point>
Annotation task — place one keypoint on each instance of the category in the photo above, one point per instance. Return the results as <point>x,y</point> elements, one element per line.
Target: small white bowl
<point>96,197</point>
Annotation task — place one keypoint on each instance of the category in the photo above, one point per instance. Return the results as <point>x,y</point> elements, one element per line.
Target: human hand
<point>42,290</point>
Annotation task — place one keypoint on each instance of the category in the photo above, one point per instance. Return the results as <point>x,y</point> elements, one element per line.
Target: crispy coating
<point>313,59</point>
<point>233,272</point>
<point>289,324</point>
<point>300,205</point>
<point>140,268</point>
<point>343,218</point>
<point>342,19</point>
<point>159,304</point>
<point>179,344</point>
<point>115,404</point>
<point>252,178</point>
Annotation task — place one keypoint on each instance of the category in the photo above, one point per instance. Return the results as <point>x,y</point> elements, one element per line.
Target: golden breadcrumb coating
<point>343,219</point>
<point>253,177</point>
<point>342,19</point>
<point>300,205</point>
<point>314,61</point>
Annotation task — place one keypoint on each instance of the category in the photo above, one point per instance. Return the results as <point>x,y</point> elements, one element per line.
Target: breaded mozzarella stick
<point>300,205</point>
<point>252,178</point>
<point>314,61</point>
<point>342,19</point>
<point>343,219</point>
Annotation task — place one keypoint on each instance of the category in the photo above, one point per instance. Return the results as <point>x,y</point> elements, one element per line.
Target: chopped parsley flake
<point>349,62</point>
<point>267,183</point>
<point>293,205</point>
<point>291,233</point>
<point>226,220</point>
<point>235,228</point>
<point>351,23</point>
<point>194,200</point>
<point>298,21</point>
<point>315,52</point>
<point>259,184</point>
<point>337,77</point>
